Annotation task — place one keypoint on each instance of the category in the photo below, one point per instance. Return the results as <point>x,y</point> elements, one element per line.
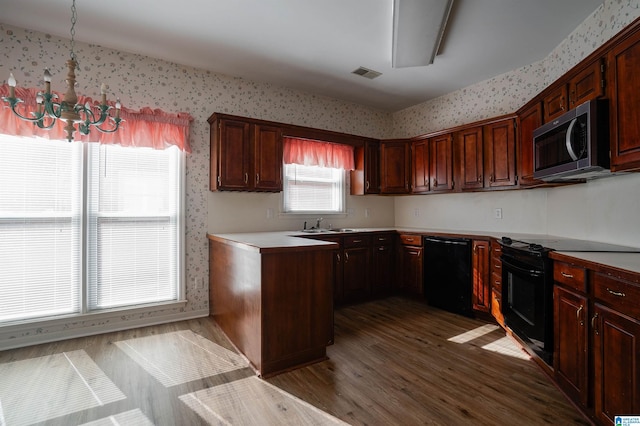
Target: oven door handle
<point>530,272</point>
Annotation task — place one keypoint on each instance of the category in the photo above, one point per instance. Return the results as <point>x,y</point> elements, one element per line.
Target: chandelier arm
<point>116,125</point>
<point>12,101</point>
<point>50,106</point>
<point>49,126</point>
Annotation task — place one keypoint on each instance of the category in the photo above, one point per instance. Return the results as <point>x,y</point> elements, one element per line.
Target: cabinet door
<point>588,84</point>
<point>394,167</point>
<point>481,286</point>
<point>233,154</point>
<point>268,158</point>
<point>441,163</point>
<point>411,280</point>
<point>365,179</point>
<point>555,103</point>
<point>355,283</point>
<point>571,343</point>
<point>528,121</point>
<point>420,166</point>
<point>469,153</point>
<point>616,351</point>
<point>624,87</point>
<point>383,266</point>
<point>499,154</point>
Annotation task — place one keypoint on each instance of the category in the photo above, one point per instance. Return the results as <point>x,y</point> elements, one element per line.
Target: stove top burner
<point>544,245</point>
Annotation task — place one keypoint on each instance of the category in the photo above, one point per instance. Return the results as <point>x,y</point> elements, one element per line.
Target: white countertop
<point>287,240</point>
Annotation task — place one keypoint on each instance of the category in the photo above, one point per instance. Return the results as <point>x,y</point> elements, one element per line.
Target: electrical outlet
<point>367,212</point>
<point>497,213</point>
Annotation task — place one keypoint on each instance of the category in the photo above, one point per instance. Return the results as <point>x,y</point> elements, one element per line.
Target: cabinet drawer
<point>570,275</point>
<point>357,241</point>
<point>496,281</point>
<point>496,265</point>
<point>622,296</point>
<point>383,240</point>
<point>411,240</point>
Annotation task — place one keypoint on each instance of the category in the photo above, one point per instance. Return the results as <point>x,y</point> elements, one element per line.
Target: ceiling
<point>315,45</point>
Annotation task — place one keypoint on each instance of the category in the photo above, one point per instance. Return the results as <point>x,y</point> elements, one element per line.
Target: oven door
<point>527,300</point>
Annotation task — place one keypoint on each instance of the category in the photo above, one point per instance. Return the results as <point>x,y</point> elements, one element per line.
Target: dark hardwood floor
<point>395,361</point>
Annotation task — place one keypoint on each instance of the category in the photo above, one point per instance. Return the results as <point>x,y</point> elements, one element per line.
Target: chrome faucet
<point>318,222</point>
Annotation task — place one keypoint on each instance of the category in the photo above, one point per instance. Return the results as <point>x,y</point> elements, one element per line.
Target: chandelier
<point>49,110</point>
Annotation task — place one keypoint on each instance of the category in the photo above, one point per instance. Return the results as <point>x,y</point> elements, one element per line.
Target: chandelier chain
<point>74,18</point>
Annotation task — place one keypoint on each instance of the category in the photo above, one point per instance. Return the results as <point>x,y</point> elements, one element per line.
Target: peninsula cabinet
<point>597,337</point>
<point>624,93</point>
<point>441,163</point>
<point>395,167</point>
<point>245,156</point>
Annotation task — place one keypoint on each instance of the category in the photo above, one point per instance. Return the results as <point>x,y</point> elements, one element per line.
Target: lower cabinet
<point>495,266</point>
<point>356,261</point>
<point>410,265</point>
<point>597,338</point>
<point>480,298</point>
<point>383,267</point>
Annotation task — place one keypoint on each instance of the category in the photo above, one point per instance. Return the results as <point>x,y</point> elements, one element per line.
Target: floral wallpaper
<point>141,81</point>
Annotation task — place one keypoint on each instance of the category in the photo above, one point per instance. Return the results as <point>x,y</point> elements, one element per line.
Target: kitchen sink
<point>318,230</point>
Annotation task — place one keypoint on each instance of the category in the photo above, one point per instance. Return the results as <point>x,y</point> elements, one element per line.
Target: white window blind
<point>40,228</point>
<point>133,213</point>
<point>313,189</point>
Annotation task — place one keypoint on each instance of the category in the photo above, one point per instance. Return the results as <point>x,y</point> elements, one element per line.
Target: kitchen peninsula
<point>272,295</point>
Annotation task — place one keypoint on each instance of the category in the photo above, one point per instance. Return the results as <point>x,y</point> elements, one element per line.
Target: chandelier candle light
<point>48,111</point>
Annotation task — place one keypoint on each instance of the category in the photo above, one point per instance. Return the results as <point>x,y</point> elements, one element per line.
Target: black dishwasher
<point>447,274</point>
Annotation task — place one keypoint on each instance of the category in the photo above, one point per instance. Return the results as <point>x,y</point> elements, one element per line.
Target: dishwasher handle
<point>457,242</point>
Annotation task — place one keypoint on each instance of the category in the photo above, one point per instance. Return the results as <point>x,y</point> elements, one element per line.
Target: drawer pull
<point>357,241</point>
<point>413,253</point>
<point>564,274</point>
<point>616,293</point>
<point>409,239</point>
<point>497,282</point>
<point>497,266</point>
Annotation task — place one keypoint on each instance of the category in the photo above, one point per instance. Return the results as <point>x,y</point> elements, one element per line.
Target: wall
<point>602,210</point>
<point>142,81</point>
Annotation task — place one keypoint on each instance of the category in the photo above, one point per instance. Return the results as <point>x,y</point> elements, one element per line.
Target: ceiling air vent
<point>367,73</point>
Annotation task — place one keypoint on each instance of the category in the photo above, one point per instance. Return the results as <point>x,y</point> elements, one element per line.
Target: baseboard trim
<point>115,324</point>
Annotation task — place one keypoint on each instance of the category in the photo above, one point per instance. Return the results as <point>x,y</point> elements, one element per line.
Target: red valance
<point>150,128</point>
<point>315,153</point>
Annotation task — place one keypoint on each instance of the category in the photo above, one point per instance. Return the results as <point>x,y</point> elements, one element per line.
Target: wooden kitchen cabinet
<point>555,103</point>
<point>495,267</point>
<point>245,156</point>
<point>383,267</point>
<point>571,317</point>
<point>365,179</point>
<point>420,166</point>
<point>410,265</point>
<point>469,155</point>
<point>481,296</point>
<point>395,167</point>
<point>528,120</point>
<point>356,268</point>
<point>624,95</point>
<point>500,154</point>
<point>441,163</point>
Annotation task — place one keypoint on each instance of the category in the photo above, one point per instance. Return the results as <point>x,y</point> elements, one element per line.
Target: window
<point>86,227</point>
<point>313,189</point>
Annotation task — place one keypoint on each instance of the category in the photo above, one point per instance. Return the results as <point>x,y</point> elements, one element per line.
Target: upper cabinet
<point>500,154</point>
<point>420,166</point>
<point>245,156</point>
<point>469,164</point>
<point>583,84</point>
<point>624,94</point>
<point>528,120</point>
<point>365,179</point>
<point>441,163</point>
<point>395,171</point>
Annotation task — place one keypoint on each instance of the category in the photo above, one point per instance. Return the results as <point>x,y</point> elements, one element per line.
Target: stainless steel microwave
<point>574,145</point>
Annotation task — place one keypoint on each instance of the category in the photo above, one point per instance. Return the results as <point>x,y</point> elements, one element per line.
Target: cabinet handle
<point>435,182</point>
<point>593,324</point>
<point>382,248</point>
<point>366,185</point>
<point>564,274</point>
<point>346,257</point>
<point>415,253</point>
<point>246,177</point>
<point>257,177</point>
<point>497,266</point>
<point>616,293</point>
<point>357,241</point>
<point>409,239</point>
<point>562,103</point>
<point>578,312</point>
<point>491,178</point>
<point>338,255</point>
<point>497,282</point>
<point>479,178</point>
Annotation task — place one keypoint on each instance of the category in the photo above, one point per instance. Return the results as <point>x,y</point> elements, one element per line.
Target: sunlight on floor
<point>473,334</point>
